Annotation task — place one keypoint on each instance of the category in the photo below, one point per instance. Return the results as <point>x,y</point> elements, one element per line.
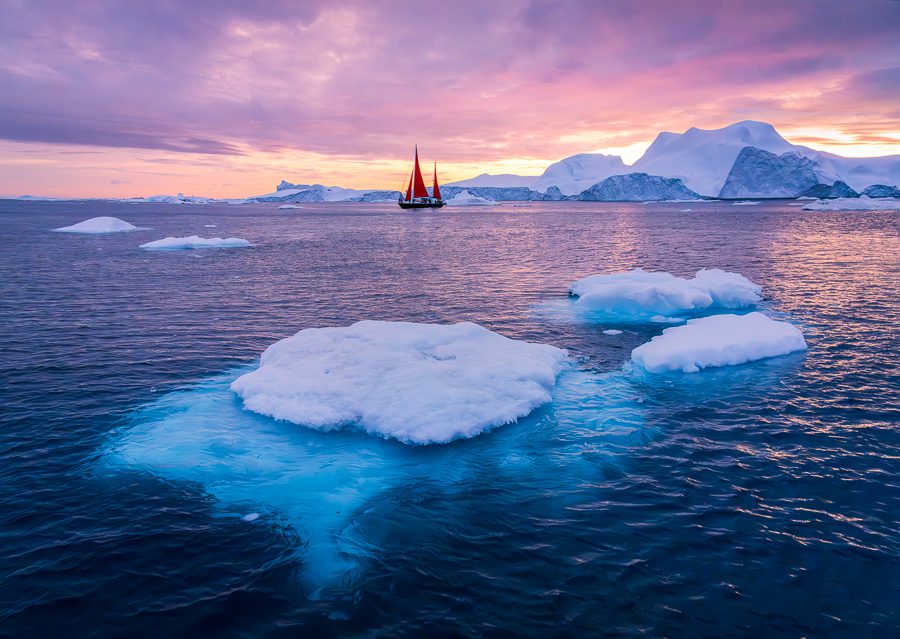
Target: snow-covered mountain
<point>758,173</point>
<point>579,172</point>
<point>638,187</point>
<point>501,180</point>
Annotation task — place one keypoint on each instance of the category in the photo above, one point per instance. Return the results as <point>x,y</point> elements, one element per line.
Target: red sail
<point>417,183</point>
<point>436,191</point>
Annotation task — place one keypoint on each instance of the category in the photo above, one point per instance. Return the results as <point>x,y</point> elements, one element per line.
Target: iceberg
<point>501,180</point>
<point>574,174</point>
<point>100,225</point>
<point>881,190</point>
<point>417,383</point>
<point>464,198</point>
<point>759,173</point>
<point>718,340</point>
<point>195,242</point>
<point>837,190</point>
<point>638,187</point>
<point>862,203</point>
<point>642,295</point>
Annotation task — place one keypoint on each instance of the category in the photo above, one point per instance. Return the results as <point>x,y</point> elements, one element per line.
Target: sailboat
<point>416,194</point>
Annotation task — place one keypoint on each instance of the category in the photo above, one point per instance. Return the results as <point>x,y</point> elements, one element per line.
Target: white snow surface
<point>464,198</point>
<point>718,340</point>
<point>574,174</point>
<point>99,225</point>
<point>417,383</point>
<point>195,242</point>
<point>640,294</point>
<point>862,203</point>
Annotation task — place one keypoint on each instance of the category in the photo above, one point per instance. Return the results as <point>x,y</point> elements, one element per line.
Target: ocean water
<point>137,497</point>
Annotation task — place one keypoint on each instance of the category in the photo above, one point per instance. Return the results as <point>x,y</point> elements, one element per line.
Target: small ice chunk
<point>250,517</point>
<point>209,226</point>
<point>418,383</point>
<point>290,206</point>
<point>98,225</point>
<point>718,340</point>
<point>745,203</point>
<point>612,331</point>
<point>195,242</point>
<point>640,294</point>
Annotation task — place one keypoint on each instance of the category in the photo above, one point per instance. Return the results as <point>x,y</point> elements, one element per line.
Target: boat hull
<point>433,204</point>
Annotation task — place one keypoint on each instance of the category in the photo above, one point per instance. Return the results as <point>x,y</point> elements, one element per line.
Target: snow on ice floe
<point>99,225</point>
<point>195,242</point>
<point>417,383</point>
<point>642,295</point>
<point>861,203</point>
<point>718,340</point>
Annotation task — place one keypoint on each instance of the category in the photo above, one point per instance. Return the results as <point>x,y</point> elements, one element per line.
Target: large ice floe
<point>418,383</point>
<point>640,295</point>
<point>100,225</point>
<point>195,242</point>
<point>718,340</point>
<point>862,203</point>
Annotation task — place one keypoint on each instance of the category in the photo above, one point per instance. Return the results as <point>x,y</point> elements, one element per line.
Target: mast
<point>436,191</point>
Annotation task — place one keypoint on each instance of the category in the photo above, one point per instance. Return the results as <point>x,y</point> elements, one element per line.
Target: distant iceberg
<point>464,198</point>
<point>290,206</point>
<point>417,383</point>
<point>195,242</point>
<point>718,340</point>
<point>862,203</point>
<point>100,225</point>
<point>641,295</point>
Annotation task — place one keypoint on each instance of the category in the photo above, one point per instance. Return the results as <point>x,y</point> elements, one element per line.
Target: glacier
<point>640,295</point>
<point>417,383</point>
<point>195,242</point>
<point>100,225</point>
<point>718,340</point>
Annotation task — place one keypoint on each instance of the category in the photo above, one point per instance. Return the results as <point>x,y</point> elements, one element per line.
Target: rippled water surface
<point>137,497</point>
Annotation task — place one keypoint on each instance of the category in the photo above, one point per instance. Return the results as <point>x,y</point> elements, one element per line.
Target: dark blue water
<point>138,499</point>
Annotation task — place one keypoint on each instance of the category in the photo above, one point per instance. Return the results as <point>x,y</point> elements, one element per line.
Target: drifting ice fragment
<point>418,383</point>
<point>195,242</point>
<point>719,340</point>
<point>98,225</point>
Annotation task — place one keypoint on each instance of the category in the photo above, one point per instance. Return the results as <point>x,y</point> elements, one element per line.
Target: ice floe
<point>745,203</point>
<point>642,295</point>
<point>612,331</point>
<point>99,225</point>
<point>418,383</point>
<point>195,242</point>
<point>718,340</point>
<point>861,203</point>
<point>290,206</point>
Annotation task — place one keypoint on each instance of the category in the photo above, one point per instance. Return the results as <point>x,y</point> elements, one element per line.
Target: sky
<point>117,98</point>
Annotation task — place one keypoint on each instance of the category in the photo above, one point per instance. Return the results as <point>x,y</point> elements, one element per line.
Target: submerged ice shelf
<point>417,383</point>
<point>718,340</point>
